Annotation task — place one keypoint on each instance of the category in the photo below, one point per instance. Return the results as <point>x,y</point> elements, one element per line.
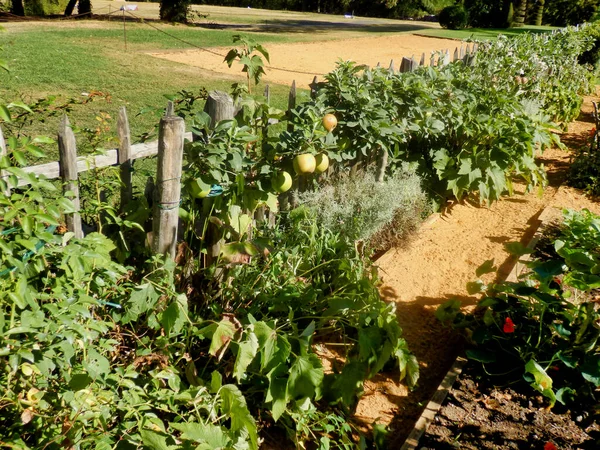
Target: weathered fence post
<point>461,53</point>
<point>382,161</point>
<point>292,96</point>
<point>124,157</point>
<point>422,62</point>
<point>4,173</point>
<point>455,56</point>
<point>391,68</point>
<point>313,87</point>
<point>408,65</point>
<point>268,94</point>
<point>432,60</point>
<point>219,106</point>
<point>67,151</point>
<point>168,185</point>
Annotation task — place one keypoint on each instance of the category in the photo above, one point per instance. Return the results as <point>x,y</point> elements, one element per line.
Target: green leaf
<point>5,113</point>
<point>306,377</point>
<point>154,441</point>
<point>234,406</point>
<point>210,434</point>
<point>482,356</point>
<point>277,394</point>
<point>590,370</point>
<point>542,382</point>
<point>216,381</point>
<point>221,337</point>
<point>247,350</point>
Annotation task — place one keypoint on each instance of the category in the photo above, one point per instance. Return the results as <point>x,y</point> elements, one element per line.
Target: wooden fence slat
<point>455,56</point>
<point>168,185</point>
<point>432,60</point>
<point>461,53</point>
<point>391,68</point>
<point>4,174</point>
<point>67,149</point>
<point>422,62</point>
<point>268,94</point>
<point>313,87</point>
<point>84,163</point>
<point>124,157</point>
<point>292,96</point>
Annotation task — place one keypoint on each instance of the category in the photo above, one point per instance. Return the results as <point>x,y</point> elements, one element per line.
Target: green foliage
<point>175,10</point>
<point>544,327</point>
<point>584,171</point>
<point>360,208</point>
<point>252,63</point>
<point>569,12</point>
<point>454,17</point>
<point>44,7</point>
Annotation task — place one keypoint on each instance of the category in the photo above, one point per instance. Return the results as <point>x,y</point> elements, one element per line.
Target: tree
<point>17,8</point>
<point>520,13</point>
<point>539,13</point>
<point>174,10</point>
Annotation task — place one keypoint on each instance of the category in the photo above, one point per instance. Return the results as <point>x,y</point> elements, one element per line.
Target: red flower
<point>509,326</point>
<point>550,446</point>
<point>592,131</point>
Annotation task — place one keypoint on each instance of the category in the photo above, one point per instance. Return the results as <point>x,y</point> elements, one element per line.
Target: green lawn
<point>68,62</point>
<point>484,33</point>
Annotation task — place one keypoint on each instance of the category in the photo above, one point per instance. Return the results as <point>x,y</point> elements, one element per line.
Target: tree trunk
<point>520,13</point>
<point>70,7</point>
<point>84,7</point>
<point>539,13</point>
<point>17,8</point>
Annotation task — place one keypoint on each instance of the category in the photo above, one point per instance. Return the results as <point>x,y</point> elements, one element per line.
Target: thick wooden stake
<point>391,68</point>
<point>67,150</point>
<point>168,185</point>
<point>422,62</point>
<point>313,87</point>
<point>124,157</point>
<point>268,94</point>
<point>219,106</point>
<point>3,173</point>
<point>382,161</point>
<point>292,96</point>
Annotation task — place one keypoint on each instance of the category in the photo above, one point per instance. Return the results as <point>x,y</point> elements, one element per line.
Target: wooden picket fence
<point>169,151</point>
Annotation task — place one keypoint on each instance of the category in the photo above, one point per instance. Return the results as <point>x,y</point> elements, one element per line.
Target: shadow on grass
<point>317,26</point>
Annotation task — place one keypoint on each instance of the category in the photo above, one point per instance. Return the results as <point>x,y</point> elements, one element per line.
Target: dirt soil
<point>477,415</point>
<point>303,61</point>
<point>436,267</point>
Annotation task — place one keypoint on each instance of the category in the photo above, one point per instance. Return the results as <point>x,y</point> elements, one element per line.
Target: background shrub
<point>454,17</point>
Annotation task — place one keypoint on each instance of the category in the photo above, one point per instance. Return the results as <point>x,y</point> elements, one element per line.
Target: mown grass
<point>484,33</point>
<point>70,62</point>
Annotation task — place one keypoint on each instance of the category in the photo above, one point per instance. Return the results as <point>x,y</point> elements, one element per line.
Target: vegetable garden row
<point>105,346</point>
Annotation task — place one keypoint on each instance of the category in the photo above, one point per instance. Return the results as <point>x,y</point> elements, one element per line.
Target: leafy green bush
<point>584,171</point>
<point>454,17</point>
<point>360,208</point>
<point>545,327</point>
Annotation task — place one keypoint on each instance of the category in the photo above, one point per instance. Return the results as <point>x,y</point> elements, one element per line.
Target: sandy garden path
<point>303,60</point>
<point>436,267</point>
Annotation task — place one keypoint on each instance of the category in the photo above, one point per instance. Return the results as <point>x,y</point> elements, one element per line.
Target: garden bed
<point>479,414</point>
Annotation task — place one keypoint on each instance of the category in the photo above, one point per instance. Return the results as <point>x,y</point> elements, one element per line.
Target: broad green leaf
<point>234,406</point>
<point>203,433</point>
<point>306,377</point>
<point>221,337</point>
<point>154,441</point>
<point>277,394</point>
<point>247,350</point>
<point>591,369</point>
<point>542,382</point>
<point>482,356</point>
